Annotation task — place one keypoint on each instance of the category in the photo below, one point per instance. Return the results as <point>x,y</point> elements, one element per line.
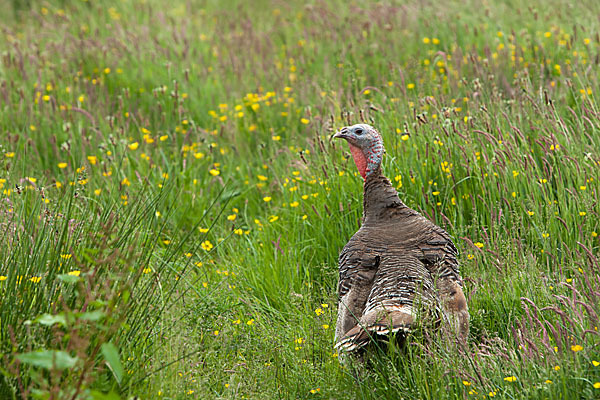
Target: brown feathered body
<point>399,266</point>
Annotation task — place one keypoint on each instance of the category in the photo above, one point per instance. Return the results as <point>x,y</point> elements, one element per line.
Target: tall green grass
<point>172,207</point>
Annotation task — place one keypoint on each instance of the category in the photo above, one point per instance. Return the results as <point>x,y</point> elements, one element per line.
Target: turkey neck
<point>379,197</point>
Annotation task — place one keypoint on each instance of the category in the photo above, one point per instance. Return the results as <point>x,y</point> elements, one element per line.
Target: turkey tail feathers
<point>377,322</point>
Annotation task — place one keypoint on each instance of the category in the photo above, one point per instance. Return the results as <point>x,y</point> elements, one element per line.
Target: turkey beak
<point>343,134</point>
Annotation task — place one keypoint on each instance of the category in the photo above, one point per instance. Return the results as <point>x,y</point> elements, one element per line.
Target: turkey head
<point>366,146</point>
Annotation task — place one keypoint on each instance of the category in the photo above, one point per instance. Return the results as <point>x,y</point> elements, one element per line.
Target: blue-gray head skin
<point>366,146</point>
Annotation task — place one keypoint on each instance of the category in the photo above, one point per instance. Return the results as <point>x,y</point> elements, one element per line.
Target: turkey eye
<point>359,131</point>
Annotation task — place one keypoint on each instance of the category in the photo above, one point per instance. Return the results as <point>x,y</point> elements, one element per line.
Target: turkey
<point>399,268</point>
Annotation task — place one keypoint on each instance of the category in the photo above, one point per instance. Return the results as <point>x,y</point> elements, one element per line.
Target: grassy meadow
<point>172,206</point>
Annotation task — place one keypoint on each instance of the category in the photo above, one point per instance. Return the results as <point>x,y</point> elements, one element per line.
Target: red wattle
<point>360,160</point>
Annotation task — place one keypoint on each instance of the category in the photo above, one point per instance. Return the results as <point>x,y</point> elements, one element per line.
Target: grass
<point>172,207</point>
